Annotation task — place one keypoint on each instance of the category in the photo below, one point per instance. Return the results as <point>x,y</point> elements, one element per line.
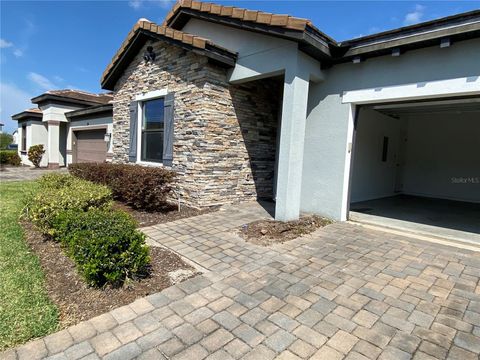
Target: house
<point>15,137</point>
<point>245,104</point>
<point>1,127</point>
<point>72,125</point>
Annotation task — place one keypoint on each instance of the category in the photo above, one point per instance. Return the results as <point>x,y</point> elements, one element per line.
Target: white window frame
<point>141,98</point>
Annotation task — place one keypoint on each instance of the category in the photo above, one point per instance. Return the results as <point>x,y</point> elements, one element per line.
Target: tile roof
<point>259,17</point>
<point>34,110</point>
<point>181,37</point>
<point>28,113</point>
<point>104,98</point>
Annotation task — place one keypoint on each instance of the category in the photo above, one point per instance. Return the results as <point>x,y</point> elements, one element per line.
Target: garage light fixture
<point>149,55</point>
<point>107,137</point>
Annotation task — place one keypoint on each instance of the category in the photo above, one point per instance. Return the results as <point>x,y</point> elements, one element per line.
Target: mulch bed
<point>268,232</point>
<point>77,301</point>
<point>145,218</point>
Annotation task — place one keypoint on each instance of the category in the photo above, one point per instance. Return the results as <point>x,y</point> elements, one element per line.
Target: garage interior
<point>416,168</point>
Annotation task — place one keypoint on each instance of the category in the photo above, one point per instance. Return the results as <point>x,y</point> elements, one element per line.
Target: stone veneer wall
<point>224,135</point>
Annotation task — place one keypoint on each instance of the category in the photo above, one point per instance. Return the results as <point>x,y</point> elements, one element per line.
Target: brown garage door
<point>91,146</point>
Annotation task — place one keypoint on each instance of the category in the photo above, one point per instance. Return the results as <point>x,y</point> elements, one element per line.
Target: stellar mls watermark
<point>466,180</point>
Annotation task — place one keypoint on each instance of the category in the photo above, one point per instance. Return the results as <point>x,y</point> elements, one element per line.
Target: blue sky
<point>67,44</point>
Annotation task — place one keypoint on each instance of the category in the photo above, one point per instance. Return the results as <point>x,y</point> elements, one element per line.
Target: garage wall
<point>85,124</point>
<point>326,155</point>
<point>443,155</point>
<point>373,178</point>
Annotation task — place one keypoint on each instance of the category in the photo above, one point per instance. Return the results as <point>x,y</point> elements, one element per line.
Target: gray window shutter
<point>132,153</point>
<point>168,134</point>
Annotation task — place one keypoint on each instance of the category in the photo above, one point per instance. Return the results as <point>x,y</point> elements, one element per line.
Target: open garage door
<point>417,166</point>
<point>90,146</point>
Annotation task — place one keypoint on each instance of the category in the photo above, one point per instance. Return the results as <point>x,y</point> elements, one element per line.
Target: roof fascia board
<point>26,114</point>
<point>307,37</point>
<point>413,38</point>
<point>96,110</point>
<point>45,99</point>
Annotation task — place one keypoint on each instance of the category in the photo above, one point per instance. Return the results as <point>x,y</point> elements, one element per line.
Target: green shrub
<point>141,187</point>
<point>56,181</point>
<point>104,244</point>
<point>5,140</point>
<point>58,193</point>
<point>10,157</point>
<point>35,154</point>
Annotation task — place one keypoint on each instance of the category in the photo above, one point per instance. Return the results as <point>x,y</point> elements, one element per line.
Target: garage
<point>416,167</point>
<point>90,146</point>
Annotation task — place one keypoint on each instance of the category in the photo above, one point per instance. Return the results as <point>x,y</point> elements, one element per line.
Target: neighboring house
<point>245,104</point>
<point>15,137</point>
<point>1,127</point>
<point>72,125</point>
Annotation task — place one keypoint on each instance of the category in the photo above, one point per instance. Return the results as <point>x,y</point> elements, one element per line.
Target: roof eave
<point>90,111</point>
<point>218,55</point>
<point>411,41</point>
<point>26,114</point>
<point>309,38</point>
<point>52,98</point>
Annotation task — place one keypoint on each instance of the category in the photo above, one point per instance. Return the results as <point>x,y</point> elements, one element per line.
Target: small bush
<point>104,244</point>
<point>10,157</point>
<point>58,193</point>
<point>141,187</point>
<point>35,154</point>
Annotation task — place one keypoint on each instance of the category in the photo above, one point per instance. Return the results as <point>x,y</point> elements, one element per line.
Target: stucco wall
<point>224,135</point>
<point>37,134</point>
<point>373,178</point>
<point>443,156</point>
<point>326,140</point>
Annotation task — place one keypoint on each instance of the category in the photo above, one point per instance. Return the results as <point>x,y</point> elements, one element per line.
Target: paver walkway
<point>21,173</point>
<point>342,292</point>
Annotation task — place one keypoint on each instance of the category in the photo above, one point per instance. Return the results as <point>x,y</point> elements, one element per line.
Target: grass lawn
<point>26,311</point>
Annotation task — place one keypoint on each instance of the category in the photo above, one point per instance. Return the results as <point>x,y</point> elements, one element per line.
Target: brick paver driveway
<point>343,292</point>
<point>21,173</point>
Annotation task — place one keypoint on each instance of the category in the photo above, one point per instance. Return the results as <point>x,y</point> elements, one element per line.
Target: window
<point>24,138</point>
<point>153,126</point>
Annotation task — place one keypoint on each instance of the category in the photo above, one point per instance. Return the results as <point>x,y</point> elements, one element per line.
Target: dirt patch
<point>268,232</point>
<point>146,218</point>
<point>77,301</point>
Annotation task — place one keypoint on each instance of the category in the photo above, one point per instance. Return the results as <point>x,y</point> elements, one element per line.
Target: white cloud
<point>58,79</point>
<point>5,44</point>
<point>12,101</point>
<point>18,53</point>
<point>415,16</point>
<point>164,4</point>
<point>41,81</point>
<point>136,4</point>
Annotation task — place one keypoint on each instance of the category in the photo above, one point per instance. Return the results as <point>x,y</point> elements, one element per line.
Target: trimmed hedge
<point>10,157</point>
<point>104,244</point>
<point>57,193</point>
<point>141,187</point>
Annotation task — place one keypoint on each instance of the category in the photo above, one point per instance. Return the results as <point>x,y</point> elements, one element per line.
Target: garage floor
<point>454,220</point>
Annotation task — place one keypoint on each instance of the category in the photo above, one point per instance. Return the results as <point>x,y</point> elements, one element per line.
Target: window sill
<point>149,163</point>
